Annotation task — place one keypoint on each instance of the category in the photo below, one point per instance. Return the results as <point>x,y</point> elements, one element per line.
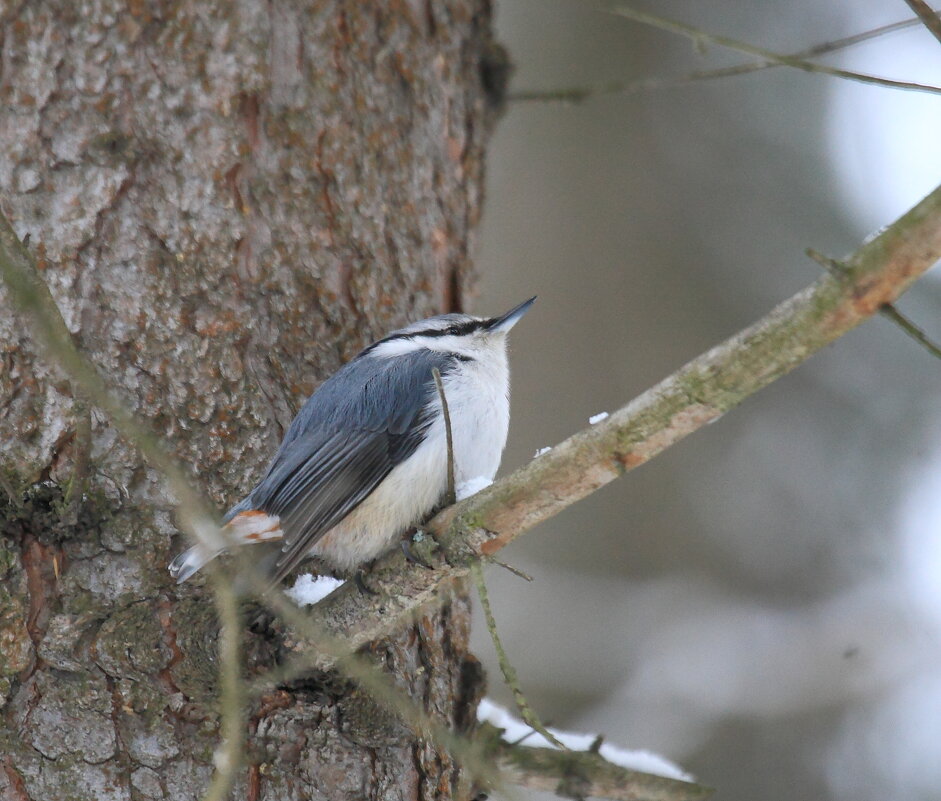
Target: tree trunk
<point>227,201</point>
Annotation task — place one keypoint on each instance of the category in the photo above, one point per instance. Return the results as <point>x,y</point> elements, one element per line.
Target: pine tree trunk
<point>227,201</point>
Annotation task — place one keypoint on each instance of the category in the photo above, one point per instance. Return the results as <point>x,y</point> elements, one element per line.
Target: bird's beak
<point>505,322</point>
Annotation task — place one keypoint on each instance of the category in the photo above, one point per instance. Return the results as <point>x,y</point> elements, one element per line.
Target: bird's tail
<point>191,560</point>
<point>247,526</point>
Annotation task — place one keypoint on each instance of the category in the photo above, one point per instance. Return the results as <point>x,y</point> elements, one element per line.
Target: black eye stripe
<point>458,330</point>
<point>455,330</point>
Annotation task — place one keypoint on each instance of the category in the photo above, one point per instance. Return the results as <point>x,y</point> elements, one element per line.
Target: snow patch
<point>597,418</point>
<point>541,451</point>
<point>308,589</point>
<point>514,730</point>
<point>472,486</point>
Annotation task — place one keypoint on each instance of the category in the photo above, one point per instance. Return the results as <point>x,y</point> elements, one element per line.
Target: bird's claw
<point>410,555</point>
<point>360,582</point>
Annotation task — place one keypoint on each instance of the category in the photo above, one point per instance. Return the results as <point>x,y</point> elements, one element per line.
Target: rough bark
<point>227,201</point>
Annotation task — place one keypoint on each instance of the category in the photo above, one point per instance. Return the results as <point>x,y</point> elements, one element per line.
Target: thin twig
<point>231,753</point>
<point>701,37</point>
<point>506,667</point>
<point>314,641</point>
<point>450,497</point>
<point>891,313</point>
<point>81,449</point>
<point>508,567</point>
<point>580,93</point>
<point>852,40</point>
<point>928,16</point>
<point>32,296</point>
<point>888,311</point>
<point>697,394</point>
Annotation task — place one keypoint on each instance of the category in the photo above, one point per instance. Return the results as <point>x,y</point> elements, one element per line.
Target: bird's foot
<point>408,542</point>
<point>360,581</point>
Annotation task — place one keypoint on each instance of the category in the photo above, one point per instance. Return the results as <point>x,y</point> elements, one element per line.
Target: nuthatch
<point>366,457</point>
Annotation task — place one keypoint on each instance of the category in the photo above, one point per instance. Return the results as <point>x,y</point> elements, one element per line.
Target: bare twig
<point>74,493</point>
<point>697,394</point>
<point>824,48</point>
<point>506,667</point>
<point>32,296</point>
<point>701,37</point>
<point>230,755</point>
<point>888,311</point>
<point>450,497</point>
<point>580,93</point>
<point>928,16</point>
<point>891,313</point>
<point>508,567</point>
<point>580,774</point>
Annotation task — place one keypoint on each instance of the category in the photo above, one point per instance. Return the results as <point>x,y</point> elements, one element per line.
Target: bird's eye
<point>453,330</point>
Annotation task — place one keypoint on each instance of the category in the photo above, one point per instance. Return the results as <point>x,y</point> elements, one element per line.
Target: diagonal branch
<point>31,295</point>
<point>577,94</point>
<point>697,394</point>
<point>700,37</point>
<point>928,16</point>
<point>506,667</point>
<point>580,774</point>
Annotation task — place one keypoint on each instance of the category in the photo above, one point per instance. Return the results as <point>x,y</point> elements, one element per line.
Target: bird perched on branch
<point>367,457</point>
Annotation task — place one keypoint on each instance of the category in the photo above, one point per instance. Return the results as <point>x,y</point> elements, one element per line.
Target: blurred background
<point>761,603</point>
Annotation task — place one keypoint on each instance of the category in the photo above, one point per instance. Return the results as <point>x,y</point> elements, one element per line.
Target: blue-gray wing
<point>352,432</point>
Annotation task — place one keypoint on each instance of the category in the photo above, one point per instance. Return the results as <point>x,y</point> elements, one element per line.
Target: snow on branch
<point>590,767</point>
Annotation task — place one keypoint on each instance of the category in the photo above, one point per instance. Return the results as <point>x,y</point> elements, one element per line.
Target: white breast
<point>477,395</point>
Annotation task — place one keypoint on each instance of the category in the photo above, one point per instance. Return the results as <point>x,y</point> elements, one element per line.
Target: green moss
<point>197,634</point>
<point>15,643</point>
<point>8,557</point>
<point>40,509</point>
<point>367,723</point>
<point>82,602</point>
<point>130,643</point>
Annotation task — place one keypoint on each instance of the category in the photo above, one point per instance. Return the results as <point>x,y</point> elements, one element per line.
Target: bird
<point>366,457</point>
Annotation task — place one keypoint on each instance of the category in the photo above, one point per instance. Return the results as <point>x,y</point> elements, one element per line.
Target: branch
<point>928,16</point>
<point>231,753</point>
<point>580,774</point>
<point>697,394</point>
<point>887,310</point>
<point>580,93</point>
<point>450,497</point>
<point>506,667</point>
<point>701,37</point>
<point>586,765</point>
